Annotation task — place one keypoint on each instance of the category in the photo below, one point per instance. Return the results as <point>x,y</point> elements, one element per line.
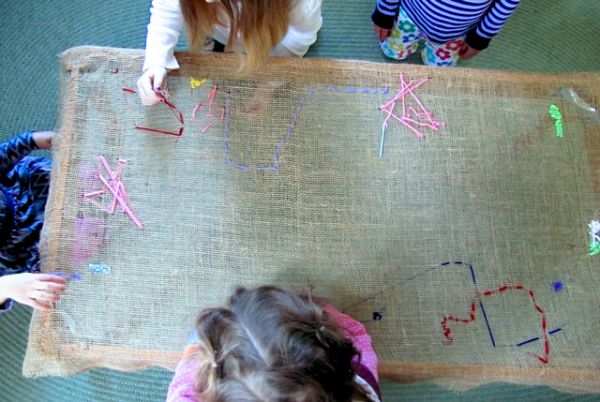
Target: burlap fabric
<point>297,194</point>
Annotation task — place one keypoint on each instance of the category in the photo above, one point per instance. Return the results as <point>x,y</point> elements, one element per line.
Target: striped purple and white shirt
<point>444,20</point>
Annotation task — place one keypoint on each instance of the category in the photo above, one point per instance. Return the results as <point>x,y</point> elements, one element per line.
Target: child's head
<point>260,23</point>
<point>273,345</point>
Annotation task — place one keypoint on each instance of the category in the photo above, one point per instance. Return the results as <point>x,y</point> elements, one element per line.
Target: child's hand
<point>151,85</point>
<point>36,290</point>
<point>466,51</point>
<point>382,33</point>
<point>43,139</point>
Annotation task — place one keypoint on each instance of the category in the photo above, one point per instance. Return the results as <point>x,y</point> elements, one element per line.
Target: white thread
<point>594,231</point>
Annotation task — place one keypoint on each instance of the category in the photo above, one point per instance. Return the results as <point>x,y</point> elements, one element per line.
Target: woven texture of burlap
<point>297,194</point>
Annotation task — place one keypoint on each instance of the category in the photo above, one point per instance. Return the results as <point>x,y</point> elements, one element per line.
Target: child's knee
<point>397,50</point>
<point>438,56</point>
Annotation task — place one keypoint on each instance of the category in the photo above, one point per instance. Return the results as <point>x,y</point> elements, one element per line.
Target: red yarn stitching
<point>447,331</point>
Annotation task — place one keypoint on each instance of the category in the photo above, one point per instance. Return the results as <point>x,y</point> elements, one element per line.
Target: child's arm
<point>16,148</point>
<point>20,146</point>
<point>164,29</point>
<point>490,24</point>
<point>35,290</point>
<point>305,22</point>
<point>182,388</point>
<point>384,16</point>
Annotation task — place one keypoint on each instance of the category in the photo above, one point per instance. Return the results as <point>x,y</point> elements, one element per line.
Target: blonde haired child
<point>258,28</point>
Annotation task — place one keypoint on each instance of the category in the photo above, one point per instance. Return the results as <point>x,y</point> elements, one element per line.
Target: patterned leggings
<point>406,38</point>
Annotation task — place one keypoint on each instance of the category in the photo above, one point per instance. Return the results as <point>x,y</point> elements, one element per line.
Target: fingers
<point>50,287</point>
<point>158,80</point>
<point>151,85</point>
<point>49,283</point>
<point>146,92</point>
<point>43,297</point>
<point>43,139</point>
<point>38,305</point>
<point>377,31</point>
<point>51,278</point>
<point>466,52</point>
<point>385,33</point>
<point>382,33</point>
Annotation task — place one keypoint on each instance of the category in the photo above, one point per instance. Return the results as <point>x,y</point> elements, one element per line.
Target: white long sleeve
<point>164,29</point>
<point>305,22</point>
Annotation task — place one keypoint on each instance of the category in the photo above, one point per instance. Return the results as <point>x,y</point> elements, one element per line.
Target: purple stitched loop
<point>271,168</point>
<point>290,129</point>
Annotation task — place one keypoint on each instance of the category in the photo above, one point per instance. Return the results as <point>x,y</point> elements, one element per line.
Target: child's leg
<point>404,39</point>
<point>442,54</point>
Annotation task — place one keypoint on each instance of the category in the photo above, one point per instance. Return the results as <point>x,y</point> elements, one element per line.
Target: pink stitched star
<point>410,116</point>
<point>114,186</point>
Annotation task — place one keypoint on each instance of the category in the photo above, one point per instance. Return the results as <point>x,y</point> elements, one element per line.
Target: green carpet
<point>557,36</point>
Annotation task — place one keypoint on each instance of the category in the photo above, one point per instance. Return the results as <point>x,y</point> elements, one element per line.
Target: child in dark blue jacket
<point>24,183</point>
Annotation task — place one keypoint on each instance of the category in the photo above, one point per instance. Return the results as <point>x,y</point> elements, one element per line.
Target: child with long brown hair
<point>256,28</point>
<point>272,344</point>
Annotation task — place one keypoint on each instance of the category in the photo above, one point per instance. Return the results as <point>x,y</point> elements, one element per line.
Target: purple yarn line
<point>290,129</point>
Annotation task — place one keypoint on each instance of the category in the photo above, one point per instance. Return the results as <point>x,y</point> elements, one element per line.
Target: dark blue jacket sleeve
<point>6,306</point>
<point>14,150</point>
<point>491,23</point>
<point>385,13</point>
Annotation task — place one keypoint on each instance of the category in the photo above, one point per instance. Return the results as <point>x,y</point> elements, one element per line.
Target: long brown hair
<point>260,23</point>
<point>272,344</point>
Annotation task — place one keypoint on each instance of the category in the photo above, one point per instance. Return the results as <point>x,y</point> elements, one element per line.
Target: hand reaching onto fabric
<point>466,51</point>
<point>43,139</point>
<point>382,33</point>
<point>35,290</point>
<point>151,85</point>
